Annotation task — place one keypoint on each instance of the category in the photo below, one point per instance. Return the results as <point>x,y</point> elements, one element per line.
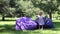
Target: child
<point>40,20</point>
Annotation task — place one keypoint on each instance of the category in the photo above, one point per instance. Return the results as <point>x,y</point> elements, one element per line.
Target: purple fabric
<point>48,23</point>
<point>25,23</point>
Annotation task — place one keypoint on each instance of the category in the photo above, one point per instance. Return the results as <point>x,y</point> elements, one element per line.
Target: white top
<point>40,20</point>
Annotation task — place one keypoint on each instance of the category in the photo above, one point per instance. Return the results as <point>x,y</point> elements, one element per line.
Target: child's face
<point>40,13</point>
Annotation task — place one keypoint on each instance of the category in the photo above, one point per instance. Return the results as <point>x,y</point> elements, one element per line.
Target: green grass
<point>8,27</point>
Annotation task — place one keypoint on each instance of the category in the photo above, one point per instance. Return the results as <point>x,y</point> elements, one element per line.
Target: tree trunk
<point>50,14</point>
<point>3,18</point>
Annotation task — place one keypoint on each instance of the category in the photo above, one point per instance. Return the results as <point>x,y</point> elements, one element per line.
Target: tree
<point>4,8</point>
<point>24,8</point>
<point>48,6</point>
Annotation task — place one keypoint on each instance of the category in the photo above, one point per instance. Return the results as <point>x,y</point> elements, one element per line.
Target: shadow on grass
<point>11,29</point>
<point>8,20</point>
<point>56,26</point>
<point>7,28</point>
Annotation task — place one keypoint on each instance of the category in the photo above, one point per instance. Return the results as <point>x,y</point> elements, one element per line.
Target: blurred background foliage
<point>19,8</point>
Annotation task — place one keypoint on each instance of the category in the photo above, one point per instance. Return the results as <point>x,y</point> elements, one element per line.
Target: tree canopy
<point>18,8</point>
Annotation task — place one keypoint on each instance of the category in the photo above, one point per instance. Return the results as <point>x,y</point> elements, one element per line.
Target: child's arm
<point>37,16</point>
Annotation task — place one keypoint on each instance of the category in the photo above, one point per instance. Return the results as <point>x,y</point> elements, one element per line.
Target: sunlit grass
<point>7,22</point>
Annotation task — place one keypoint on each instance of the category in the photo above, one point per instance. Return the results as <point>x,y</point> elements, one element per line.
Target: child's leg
<point>39,27</point>
<point>42,27</point>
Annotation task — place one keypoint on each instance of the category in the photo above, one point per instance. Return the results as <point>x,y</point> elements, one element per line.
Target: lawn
<point>8,27</point>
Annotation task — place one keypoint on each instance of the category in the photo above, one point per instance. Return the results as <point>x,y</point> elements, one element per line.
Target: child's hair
<point>40,12</point>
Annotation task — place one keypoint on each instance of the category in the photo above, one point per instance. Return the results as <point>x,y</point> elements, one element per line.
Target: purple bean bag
<point>25,23</point>
<point>48,23</point>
